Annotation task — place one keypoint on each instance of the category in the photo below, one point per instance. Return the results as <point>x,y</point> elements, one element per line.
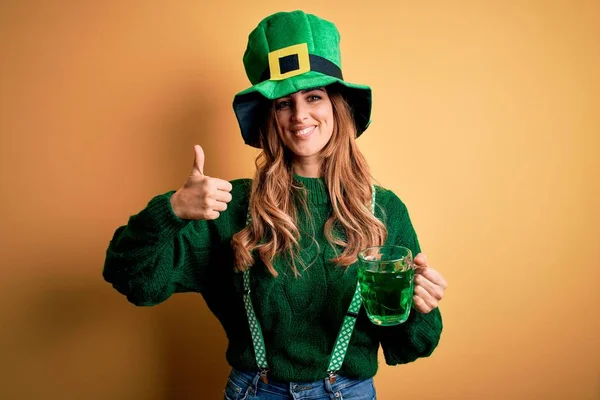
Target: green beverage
<point>386,276</point>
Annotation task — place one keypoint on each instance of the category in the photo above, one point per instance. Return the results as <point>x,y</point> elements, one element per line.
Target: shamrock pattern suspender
<point>341,343</point>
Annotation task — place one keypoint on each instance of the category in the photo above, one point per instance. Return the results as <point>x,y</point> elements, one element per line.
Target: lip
<point>305,136</point>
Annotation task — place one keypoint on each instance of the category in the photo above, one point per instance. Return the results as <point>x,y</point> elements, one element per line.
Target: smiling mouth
<point>304,132</point>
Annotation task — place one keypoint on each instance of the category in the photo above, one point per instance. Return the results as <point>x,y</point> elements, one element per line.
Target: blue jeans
<point>248,386</point>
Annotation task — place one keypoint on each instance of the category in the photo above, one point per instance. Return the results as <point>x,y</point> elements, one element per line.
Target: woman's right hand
<point>201,197</point>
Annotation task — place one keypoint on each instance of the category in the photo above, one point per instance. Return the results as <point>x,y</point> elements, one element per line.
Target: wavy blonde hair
<point>275,197</point>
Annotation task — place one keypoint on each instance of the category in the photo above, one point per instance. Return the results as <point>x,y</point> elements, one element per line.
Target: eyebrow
<point>321,88</point>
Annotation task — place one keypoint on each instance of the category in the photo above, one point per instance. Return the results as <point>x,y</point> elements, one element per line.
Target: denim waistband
<point>299,389</point>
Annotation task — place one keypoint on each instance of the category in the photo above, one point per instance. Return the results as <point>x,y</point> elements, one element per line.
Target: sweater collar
<point>316,189</point>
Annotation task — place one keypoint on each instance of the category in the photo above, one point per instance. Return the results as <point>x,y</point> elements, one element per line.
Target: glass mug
<point>386,276</point>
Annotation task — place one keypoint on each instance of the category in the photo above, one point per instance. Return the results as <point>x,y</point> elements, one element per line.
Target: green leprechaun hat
<point>288,52</point>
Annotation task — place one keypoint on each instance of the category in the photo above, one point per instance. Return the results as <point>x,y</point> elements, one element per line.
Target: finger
<point>433,276</point>
<point>212,215</point>
<point>421,260</point>
<point>435,291</point>
<point>198,168</point>
<point>219,206</point>
<point>222,196</point>
<point>426,297</point>
<point>420,305</point>
<point>222,184</point>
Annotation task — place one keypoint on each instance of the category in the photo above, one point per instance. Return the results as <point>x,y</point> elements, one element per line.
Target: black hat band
<point>295,60</point>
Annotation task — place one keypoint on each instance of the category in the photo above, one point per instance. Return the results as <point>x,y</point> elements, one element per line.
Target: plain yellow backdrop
<point>485,122</point>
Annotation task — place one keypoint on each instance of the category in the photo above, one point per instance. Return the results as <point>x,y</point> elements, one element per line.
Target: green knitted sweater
<point>157,254</point>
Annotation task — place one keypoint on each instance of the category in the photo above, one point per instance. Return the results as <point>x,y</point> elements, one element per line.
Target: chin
<point>305,153</point>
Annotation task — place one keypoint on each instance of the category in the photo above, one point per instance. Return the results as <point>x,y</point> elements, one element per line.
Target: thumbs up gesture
<point>201,197</point>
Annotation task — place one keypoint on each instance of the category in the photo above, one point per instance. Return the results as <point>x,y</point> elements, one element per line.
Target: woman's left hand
<point>429,285</point>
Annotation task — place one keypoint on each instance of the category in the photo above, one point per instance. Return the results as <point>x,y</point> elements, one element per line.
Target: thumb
<point>198,168</point>
<point>421,260</point>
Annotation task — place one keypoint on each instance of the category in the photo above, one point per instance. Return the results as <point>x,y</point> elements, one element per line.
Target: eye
<point>313,97</point>
<point>280,105</point>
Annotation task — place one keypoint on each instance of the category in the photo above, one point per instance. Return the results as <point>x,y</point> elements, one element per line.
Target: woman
<point>275,257</point>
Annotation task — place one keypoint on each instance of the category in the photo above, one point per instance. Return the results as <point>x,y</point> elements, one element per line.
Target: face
<point>305,119</point>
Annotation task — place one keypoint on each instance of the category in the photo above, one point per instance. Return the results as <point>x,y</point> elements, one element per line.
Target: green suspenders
<point>341,343</point>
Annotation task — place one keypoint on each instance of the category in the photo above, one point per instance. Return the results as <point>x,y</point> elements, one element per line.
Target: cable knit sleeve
<point>157,254</point>
<point>420,334</point>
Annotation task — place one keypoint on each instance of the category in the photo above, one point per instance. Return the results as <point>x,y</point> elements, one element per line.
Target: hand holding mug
<point>429,285</point>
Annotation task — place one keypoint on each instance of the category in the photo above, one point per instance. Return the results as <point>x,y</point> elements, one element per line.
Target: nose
<point>299,112</point>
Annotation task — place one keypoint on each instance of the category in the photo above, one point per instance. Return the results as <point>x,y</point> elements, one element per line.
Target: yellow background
<point>485,123</point>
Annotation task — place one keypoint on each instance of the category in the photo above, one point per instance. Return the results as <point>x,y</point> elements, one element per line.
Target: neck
<point>307,168</point>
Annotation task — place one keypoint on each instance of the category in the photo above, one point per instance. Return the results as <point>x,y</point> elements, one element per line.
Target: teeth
<point>305,131</point>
